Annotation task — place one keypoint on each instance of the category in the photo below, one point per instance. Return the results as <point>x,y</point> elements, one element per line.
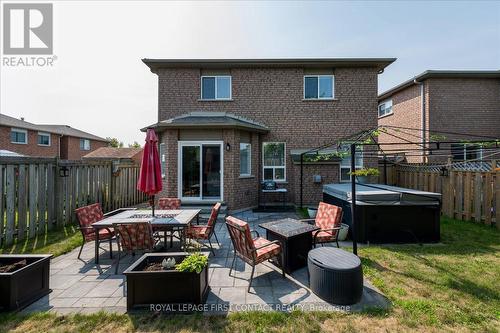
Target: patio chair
<point>328,219</point>
<point>169,203</point>
<point>133,237</point>
<point>205,232</point>
<point>253,251</point>
<point>87,216</point>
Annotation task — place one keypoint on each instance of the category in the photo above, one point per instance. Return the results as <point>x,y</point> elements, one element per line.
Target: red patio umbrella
<point>150,175</point>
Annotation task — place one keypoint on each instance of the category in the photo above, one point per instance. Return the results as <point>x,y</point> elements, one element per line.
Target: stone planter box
<point>146,288</point>
<point>24,286</point>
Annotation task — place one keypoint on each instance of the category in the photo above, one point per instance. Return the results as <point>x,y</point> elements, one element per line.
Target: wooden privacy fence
<point>466,195</point>
<point>37,194</point>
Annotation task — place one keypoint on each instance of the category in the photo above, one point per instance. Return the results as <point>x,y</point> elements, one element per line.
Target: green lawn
<point>453,286</point>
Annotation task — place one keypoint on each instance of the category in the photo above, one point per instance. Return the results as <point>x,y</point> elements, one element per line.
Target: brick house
<point>61,141</point>
<point>225,126</point>
<point>443,101</point>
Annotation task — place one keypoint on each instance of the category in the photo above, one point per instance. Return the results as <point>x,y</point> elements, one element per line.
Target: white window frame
<point>19,130</point>
<point>385,113</point>
<point>348,167</point>
<point>275,167</point>
<point>163,159</point>
<point>321,98</point>
<point>249,166</point>
<point>85,140</point>
<point>215,96</point>
<point>479,152</point>
<point>43,134</point>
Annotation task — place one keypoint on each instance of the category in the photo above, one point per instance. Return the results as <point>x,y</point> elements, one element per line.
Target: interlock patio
<point>81,286</point>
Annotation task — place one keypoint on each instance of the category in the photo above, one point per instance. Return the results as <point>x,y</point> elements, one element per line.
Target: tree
<point>113,142</point>
<point>134,145</point>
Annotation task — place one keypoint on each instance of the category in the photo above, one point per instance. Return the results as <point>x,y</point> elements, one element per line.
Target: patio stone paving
<point>80,286</point>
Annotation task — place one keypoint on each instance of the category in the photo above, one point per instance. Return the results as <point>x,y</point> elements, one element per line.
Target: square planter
<point>166,286</point>
<point>24,286</point>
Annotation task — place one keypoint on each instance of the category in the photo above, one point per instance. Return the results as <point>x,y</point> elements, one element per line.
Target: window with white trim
<point>319,86</point>
<point>385,108</point>
<point>345,164</point>
<point>216,87</point>
<point>43,139</point>
<point>19,136</point>
<point>273,161</point>
<point>163,160</point>
<point>466,152</point>
<point>245,159</point>
<point>84,144</point>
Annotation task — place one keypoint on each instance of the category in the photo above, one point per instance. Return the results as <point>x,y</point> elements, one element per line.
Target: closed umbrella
<point>150,174</point>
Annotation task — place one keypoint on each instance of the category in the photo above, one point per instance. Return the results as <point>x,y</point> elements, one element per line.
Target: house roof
<point>56,129</point>
<point>379,63</point>
<point>204,119</point>
<point>113,153</point>
<point>495,74</point>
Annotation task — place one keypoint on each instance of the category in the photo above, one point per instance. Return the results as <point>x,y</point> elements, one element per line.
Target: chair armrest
<point>307,221</point>
<point>85,228</point>
<point>268,244</point>
<point>258,235</point>
<point>315,233</point>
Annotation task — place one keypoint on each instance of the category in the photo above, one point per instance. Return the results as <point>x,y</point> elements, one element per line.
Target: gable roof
<point>495,74</point>
<point>114,153</point>
<point>56,129</point>
<point>379,63</point>
<point>211,120</point>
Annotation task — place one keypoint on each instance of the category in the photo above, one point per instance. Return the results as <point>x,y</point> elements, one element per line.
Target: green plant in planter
<point>365,172</point>
<point>193,263</point>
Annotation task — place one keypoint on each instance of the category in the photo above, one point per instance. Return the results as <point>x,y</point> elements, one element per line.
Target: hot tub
<point>388,214</point>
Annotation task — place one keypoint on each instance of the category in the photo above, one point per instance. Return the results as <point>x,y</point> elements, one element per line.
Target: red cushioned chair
<point>328,219</point>
<point>205,232</point>
<point>169,203</point>
<point>87,216</point>
<point>133,237</point>
<point>253,251</point>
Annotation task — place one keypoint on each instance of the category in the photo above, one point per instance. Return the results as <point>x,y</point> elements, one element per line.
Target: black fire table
<point>296,240</point>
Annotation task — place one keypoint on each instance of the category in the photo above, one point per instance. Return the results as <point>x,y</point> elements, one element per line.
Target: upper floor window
<point>84,144</point>
<point>245,159</point>
<point>273,164</point>
<point>43,139</point>
<point>385,108</point>
<point>466,152</point>
<point>216,87</point>
<point>18,136</point>
<point>319,87</point>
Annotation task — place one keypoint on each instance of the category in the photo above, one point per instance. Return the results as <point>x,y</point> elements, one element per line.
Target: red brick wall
<point>31,148</point>
<point>466,105</point>
<point>70,148</point>
<point>273,97</point>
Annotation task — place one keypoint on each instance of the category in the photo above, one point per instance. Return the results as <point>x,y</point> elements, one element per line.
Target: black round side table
<point>335,275</point>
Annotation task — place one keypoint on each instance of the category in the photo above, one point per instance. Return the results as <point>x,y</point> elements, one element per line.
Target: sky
<point>99,84</point>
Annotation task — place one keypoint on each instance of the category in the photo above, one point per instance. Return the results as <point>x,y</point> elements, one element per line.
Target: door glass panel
<point>191,171</point>
<point>211,171</point>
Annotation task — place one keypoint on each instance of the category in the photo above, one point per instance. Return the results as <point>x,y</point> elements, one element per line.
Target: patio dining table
<point>164,220</point>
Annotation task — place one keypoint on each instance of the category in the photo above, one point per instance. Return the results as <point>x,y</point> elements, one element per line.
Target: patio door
<point>200,171</point>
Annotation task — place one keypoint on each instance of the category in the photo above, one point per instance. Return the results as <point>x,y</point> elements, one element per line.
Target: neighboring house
<point>130,155</point>
<point>225,126</point>
<point>37,140</point>
<point>443,101</point>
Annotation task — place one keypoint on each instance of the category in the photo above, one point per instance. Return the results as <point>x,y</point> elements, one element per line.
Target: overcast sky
<point>99,84</point>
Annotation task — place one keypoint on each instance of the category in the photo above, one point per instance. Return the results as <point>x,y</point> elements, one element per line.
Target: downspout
<point>422,117</point>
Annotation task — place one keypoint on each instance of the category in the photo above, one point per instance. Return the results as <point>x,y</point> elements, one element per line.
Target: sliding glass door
<point>200,170</point>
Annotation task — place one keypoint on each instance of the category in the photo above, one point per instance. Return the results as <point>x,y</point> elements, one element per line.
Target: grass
<point>56,242</point>
<point>452,286</point>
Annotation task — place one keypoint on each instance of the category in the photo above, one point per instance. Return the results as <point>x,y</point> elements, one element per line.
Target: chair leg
<point>232,264</point>
<point>282,263</point>
<point>337,241</point>
<point>211,247</point>
<point>81,248</point>
<point>216,238</point>
<point>251,278</point>
<point>110,248</point>
<point>118,259</point>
